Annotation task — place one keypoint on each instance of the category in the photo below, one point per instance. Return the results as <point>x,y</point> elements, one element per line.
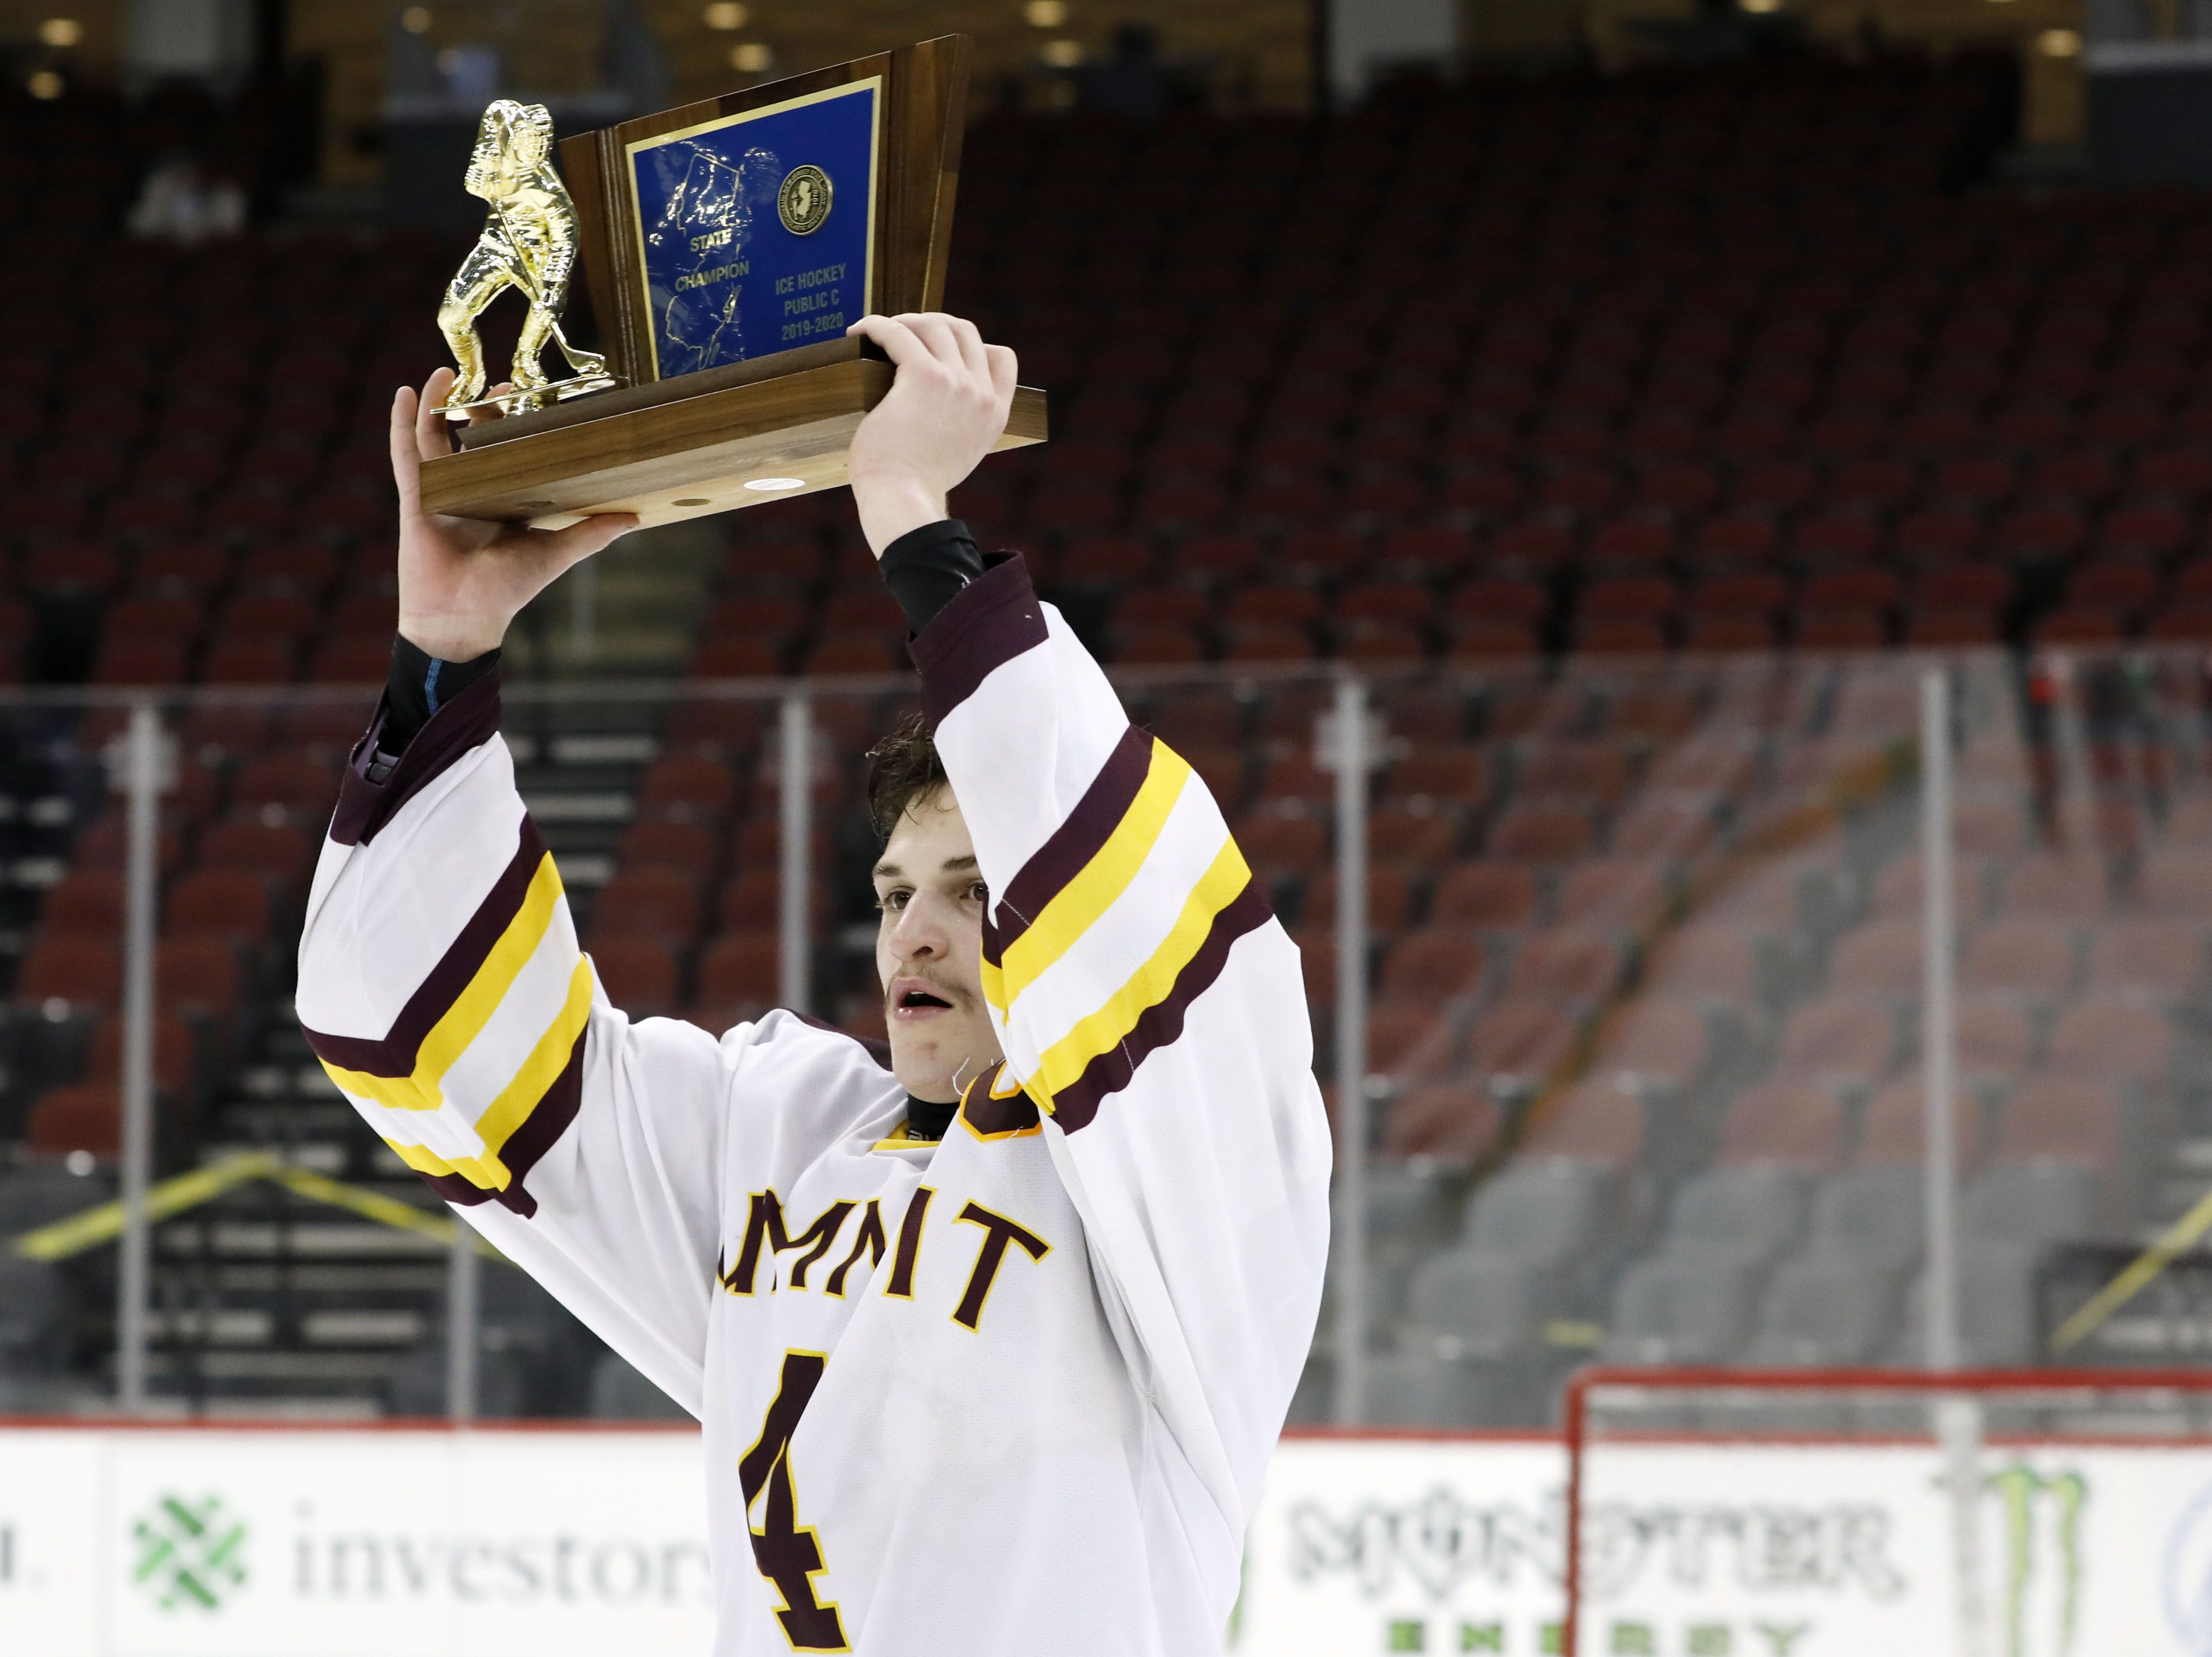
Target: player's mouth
<point>911,1001</point>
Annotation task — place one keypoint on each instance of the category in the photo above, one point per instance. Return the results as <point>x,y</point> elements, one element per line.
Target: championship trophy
<point>727,245</point>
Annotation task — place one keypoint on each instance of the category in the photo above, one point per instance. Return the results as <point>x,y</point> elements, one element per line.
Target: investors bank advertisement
<point>293,1543</point>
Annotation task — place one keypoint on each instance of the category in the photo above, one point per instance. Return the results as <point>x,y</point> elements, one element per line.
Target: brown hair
<point>903,768</point>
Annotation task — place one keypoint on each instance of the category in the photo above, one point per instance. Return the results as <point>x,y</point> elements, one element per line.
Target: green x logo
<point>190,1553</point>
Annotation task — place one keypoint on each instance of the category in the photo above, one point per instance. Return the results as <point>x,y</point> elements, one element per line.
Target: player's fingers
<point>431,439</point>
<point>936,333</point>
<point>1006,368</point>
<point>969,339</point>
<point>488,410</point>
<point>406,464</point>
<point>897,340</point>
<point>561,548</point>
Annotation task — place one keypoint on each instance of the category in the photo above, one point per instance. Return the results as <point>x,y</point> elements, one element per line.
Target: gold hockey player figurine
<point>529,244</point>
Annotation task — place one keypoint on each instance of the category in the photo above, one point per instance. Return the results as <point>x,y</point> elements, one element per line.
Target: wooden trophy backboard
<point>727,244</point>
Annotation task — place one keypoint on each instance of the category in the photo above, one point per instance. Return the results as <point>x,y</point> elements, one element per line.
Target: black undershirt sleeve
<point>925,567</point>
<point>421,684</point>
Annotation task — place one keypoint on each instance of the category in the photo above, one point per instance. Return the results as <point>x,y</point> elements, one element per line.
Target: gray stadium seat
<point>2032,1202</point>
<point>1751,1213</point>
<point>1417,1387</point>
<point>1873,1215</point>
<point>1400,1196</point>
<point>1824,1309</point>
<point>1996,1310</point>
<point>1677,1309</point>
<point>1547,1211</point>
<point>1492,1304</point>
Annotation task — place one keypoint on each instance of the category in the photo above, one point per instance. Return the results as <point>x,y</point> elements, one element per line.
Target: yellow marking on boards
<point>103,1222</point>
<point>2179,1238</point>
<point>463,1021</point>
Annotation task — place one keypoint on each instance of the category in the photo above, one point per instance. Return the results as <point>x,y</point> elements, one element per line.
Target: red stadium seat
<point>1519,1041</point>
<point>2114,1041</point>
<point>1593,1123</point>
<point>1838,1039</point>
<point>659,903</point>
<point>737,972</point>
<point>1893,1128</point>
<point>1995,1038</point>
<point>86,903</point>
<point>277,850</point>
<point>1881,958</point>
<point>1454,1124</point>
<point>1568,964</point>
<point>306,789</point>
<point>1389,898</point>
<point>81,971</point>
<point>2159,960</point>
<point>197,977</point>
<point>173,1054</point>
<point>1791,1124</point>
<point>685,845</point>
<point>1541,833</point>
<point>1433,966</point>
<point>1626,894</point>
<point>87,1117</point>
<point>2062,1119</point>
<point>2026,958</point>
<point>689,786</point>
<point>1491,895</point>
<point>1282,839</point>
<point>229,904</point>
<point>638,973</point>
<point>1598,772</point>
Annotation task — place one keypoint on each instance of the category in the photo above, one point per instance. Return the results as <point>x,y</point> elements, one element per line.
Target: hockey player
<point>991,1350</point>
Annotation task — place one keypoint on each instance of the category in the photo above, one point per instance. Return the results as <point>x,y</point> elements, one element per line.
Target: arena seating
<point>1601,420</point>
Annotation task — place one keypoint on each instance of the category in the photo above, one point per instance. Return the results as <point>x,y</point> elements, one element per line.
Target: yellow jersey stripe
<point>1077,906</point>
<point>462,1022</point>
<point>518,1098</point>
<point>1064,1062</point>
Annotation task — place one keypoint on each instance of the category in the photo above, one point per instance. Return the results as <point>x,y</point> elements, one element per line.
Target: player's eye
<point>978,893</point>
<point>892,902</point>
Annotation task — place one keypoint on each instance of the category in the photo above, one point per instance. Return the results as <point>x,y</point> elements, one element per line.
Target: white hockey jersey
<point>1011,1392</point>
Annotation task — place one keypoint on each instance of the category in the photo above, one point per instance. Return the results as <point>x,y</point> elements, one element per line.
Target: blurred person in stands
<point>992,1346</point>
<point>182,202</point>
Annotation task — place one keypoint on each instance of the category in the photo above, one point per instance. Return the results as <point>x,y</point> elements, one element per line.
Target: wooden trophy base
<point>715,441</point>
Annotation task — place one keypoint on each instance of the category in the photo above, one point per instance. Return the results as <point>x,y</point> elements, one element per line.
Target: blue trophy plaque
<point>755,232</point>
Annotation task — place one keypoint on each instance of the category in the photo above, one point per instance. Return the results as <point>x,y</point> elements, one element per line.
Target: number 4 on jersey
<point>788,1553</point>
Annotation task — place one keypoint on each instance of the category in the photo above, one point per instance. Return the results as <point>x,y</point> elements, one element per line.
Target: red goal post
<point>2038,1513</point>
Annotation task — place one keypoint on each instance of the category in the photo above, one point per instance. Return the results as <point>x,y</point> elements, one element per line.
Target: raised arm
<point>442,987</point>
<point>1145,997</point>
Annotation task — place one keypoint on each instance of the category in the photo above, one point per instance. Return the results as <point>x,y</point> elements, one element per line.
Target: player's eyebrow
<point>952,866</point>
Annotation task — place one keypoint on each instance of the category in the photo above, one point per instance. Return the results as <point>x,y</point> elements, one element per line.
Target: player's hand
<point>946,407</point>
<point>461,580</point>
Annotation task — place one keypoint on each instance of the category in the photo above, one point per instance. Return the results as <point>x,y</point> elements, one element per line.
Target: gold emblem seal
<point>802,201</point>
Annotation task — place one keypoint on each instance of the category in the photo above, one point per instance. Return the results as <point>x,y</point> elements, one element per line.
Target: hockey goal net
<point>1816,1513</point>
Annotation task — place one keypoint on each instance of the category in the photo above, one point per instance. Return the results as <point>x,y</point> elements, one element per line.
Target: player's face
<point>929,950</point>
